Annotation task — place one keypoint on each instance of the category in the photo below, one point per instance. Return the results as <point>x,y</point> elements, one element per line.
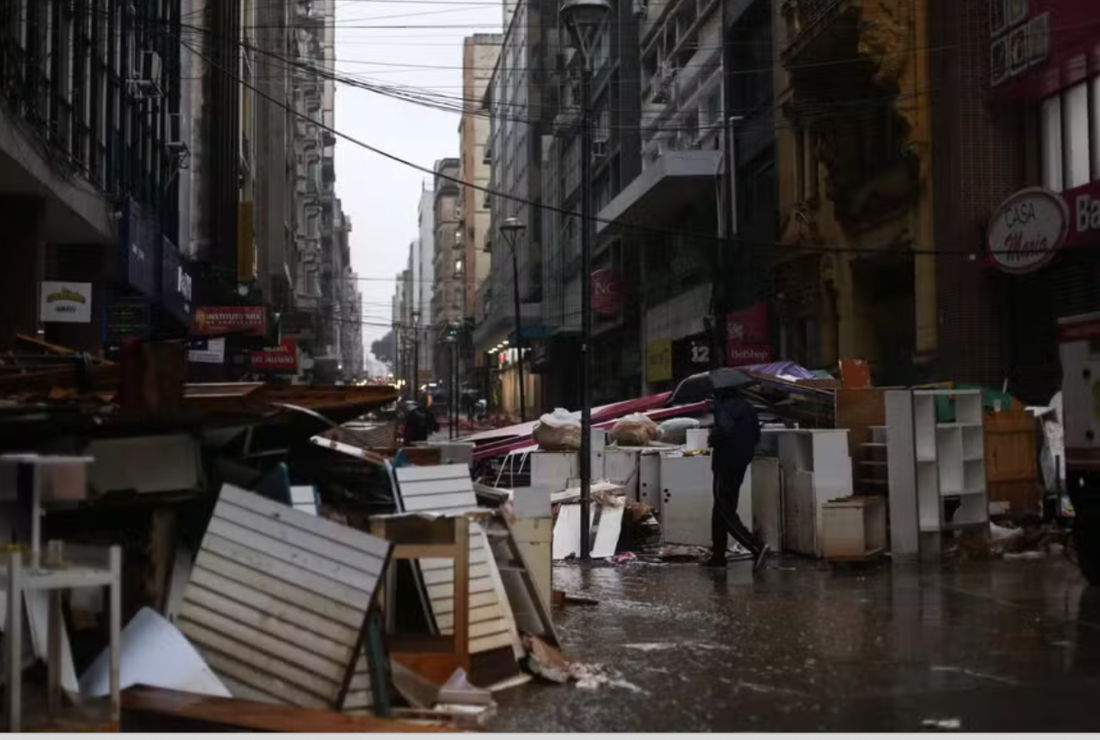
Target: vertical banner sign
<point>607,292</point>
<point>66,303</point>
<point>658,361</point>
<point>747,337</point>
<point>246,250</point>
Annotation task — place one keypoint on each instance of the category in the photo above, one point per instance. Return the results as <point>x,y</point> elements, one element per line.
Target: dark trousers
<point>724,520</point>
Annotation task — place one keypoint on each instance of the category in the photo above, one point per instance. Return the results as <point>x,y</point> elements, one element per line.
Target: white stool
<point>55,577</point>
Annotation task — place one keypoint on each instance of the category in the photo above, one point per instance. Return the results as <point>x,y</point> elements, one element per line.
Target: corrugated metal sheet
<point>277,602</point>
<point>447,489</point>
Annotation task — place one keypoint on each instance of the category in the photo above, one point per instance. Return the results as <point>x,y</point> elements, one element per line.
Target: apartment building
<point>479,57</point>
<point>520,115</point>
<point>447,261</point>
<point>90,152</point>
<point>422,285</point>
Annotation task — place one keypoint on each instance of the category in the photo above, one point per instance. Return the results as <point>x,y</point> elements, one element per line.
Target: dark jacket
<point>420,423</point>
<point>736,432</point>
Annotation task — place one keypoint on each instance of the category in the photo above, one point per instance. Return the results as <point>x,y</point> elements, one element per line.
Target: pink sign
<point>747,337</point>
<point>1083,204</point>
<point>1027,231</point>
<point>607,292</point>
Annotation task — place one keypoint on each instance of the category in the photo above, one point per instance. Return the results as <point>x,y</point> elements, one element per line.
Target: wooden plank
<point>272,682</point>
<point>280,608</point>
<point>447,575</point>
<point>296,540</point>
<point>240,690</point>
<point>442,502</point>
<point>432,472</point>
<point>447,485</point>
<point>230,614</point>
<point>444,605</point>
<point>330,531</point>
<point>257,716</point>
<point>331,590</point>
<point>271,595</point>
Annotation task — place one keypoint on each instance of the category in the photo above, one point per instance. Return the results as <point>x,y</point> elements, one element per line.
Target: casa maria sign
<point>1027,230</point>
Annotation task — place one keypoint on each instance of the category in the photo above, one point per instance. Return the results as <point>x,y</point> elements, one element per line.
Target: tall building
<point>616,162</point>
<point>479,57</point>
<point>521,112</point>
<point>447,262</point>
<point>422,277</point>
<point>92,148</point>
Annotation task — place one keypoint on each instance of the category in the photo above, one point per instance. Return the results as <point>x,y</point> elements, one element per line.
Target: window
<point>1075,135</point>
<point>1069,131</point>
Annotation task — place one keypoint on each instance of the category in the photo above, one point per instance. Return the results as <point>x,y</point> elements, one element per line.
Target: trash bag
<point>558,431</point>
<point>635,430</point>
<point>674,431</point>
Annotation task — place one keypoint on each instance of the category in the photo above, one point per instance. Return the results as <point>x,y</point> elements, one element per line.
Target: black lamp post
<point>582,19</point>
<point>510,230</point>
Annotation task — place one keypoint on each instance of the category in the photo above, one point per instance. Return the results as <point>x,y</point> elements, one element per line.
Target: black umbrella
<point>729,378</point>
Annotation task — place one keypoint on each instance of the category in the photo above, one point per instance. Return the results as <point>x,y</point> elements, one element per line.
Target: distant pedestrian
<point>733,443</point>
<point>420,423</point>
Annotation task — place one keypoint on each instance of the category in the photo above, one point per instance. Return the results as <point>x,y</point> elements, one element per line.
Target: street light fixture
<point>510,230</point>
<point>583,19</point>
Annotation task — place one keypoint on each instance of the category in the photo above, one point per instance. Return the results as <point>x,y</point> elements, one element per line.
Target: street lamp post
<point>416,354</point>
<point>510,230</point>
<point>582,19</point>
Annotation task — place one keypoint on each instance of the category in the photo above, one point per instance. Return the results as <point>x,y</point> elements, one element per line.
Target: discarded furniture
<point>53,477</point>
<point>687,498</point>
<point>494,641</point>
<point>1011,465</point>
<point>767,501</point>
<point>854,528</point>
<point>936,469</point>
<point>528,588</point>
<point>279,605</point>
<point>816,469</point>
<point>423,536</point>
<point>148,709</point>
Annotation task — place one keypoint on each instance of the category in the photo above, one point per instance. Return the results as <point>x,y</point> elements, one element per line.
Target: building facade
<point>520,115</point>
<point>447,263</point>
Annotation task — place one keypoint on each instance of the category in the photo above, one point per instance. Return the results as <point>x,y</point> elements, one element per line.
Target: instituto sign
<point>1027,230</point>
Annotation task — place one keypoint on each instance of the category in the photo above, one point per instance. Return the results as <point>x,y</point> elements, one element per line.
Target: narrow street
<point>996,646</point>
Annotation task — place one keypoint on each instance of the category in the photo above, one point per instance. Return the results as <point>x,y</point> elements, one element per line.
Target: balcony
<point>812,22</point>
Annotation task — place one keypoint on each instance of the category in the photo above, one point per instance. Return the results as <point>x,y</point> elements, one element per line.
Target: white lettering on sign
<point>1027,230</point>
<point>1088,214</point>
<point>700,354</point>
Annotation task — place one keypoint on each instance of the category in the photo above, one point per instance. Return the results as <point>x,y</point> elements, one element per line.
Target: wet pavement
<point>980,647</point>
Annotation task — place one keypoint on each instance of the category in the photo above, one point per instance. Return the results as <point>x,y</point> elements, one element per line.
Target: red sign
<point>284,357</point>
<point>1027,230</point>
<point>748,354</point>
<point>747,337</point>
<point>230,320</point>
<point>607,292</point>
<point>1083,204</point>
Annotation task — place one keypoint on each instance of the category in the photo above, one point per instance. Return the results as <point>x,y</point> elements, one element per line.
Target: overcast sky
<point>378,194</point>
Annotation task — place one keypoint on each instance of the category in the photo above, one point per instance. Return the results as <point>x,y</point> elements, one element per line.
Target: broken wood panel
<point>278,599</point>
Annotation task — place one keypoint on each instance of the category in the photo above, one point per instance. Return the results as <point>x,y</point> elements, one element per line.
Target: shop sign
<point>1027,230</point>
<point>139,238</point>
<point>66,303</point>
<point>1018,39</point>
<point>1084,209</point>
<point>177,286</point>
<point>607,292</point>
<point>250,320</point>
<point>283,358</point>
<point>691,355</point>
<point>124,318</point>
<point>747,337</point>
<point>206,351</point>
<point>658,361</point>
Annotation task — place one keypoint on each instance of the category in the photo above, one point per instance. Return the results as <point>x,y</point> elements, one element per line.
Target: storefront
<point>1044,242</point>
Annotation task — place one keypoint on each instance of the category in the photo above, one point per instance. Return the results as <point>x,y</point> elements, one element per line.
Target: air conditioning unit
<point>599,148</point>
<point>146,75</point>
<point>173,133</point>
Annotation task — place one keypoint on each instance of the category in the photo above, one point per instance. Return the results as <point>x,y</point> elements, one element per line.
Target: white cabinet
<point>687,499</point>
<point>936,467</point>
<point>621,467</point>
<point>817,468</point>
<point>649,480</point>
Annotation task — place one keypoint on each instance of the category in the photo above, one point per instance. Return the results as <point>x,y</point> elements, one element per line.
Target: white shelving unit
<point>936,469</point>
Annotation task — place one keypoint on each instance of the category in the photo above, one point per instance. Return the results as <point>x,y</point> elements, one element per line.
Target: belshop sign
<point>1027,230</point>
<point>1083,204</point>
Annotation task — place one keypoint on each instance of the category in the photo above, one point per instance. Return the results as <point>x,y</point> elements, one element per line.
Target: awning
<point>664,189</point>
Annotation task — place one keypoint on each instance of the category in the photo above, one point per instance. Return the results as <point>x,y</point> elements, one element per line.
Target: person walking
<point>733,441</point>
<point>420,423</point>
